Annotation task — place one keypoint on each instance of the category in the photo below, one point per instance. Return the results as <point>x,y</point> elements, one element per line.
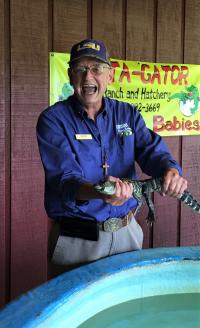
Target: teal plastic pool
<point>76,296</point>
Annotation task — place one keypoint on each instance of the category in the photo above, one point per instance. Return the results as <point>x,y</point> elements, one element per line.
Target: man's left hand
<point>174,184</point>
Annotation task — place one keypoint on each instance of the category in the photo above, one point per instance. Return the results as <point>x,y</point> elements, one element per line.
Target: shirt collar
<point>77,106</point>
<point>79,109</point>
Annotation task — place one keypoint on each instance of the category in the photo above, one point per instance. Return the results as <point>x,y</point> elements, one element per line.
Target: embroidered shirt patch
<point>124,130</point>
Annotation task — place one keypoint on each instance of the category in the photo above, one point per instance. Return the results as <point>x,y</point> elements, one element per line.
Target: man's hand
<point>124,191</point>
<point>174,185</point>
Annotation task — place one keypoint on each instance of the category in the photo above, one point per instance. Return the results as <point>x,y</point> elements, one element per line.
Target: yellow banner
<point>167,95</point>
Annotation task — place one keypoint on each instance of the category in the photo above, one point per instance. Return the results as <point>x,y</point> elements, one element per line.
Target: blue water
<point>165,311</point>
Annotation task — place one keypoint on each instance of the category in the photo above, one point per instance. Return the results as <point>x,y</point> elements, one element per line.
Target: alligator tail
<point>189,200</point>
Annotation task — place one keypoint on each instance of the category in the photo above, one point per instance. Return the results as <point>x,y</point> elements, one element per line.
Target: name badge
<point>83,136</point>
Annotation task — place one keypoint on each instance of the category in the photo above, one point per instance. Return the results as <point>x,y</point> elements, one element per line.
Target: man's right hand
<point>123,192</point>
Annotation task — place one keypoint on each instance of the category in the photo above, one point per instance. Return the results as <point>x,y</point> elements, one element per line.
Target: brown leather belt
<point>114,224</point>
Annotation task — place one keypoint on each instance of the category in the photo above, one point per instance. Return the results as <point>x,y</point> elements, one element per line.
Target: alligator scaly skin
<point>142,189</point>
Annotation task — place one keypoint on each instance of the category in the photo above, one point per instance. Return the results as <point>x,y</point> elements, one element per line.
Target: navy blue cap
<point>90,48</point>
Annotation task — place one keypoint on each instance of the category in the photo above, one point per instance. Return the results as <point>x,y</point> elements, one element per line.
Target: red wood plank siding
<point>70,23</point>
<point>107,25</point>
<point>140,30</point>
<point>190,223</point>
<point>29,95</point>
<point>168,49</point>
<point>4,153</point>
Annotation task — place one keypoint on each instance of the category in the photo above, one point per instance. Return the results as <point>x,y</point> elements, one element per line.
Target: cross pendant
<point>105,166</point>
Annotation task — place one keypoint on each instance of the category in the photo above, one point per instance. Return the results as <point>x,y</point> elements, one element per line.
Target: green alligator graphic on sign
<point>188,101</point>
<point>67,90</point>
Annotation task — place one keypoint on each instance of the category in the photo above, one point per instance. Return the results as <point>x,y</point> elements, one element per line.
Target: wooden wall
<point>146,30</point>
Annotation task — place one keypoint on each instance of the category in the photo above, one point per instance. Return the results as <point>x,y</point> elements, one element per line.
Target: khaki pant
<point>70,252</point>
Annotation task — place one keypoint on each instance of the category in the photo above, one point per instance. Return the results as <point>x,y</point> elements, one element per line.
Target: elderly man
<point>89,138</point>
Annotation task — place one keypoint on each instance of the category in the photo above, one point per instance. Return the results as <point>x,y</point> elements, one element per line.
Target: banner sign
<point>167,95</point>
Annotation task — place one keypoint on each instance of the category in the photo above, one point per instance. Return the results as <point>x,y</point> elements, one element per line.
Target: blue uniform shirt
<point>73,148</point>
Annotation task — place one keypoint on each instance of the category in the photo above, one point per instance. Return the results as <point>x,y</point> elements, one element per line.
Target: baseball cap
<point>90,48</point>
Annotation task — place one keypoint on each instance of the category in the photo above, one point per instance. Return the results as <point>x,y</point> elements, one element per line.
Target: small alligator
<point>142,189</point>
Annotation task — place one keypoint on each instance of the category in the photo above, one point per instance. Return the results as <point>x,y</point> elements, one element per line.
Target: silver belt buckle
<point>112,224</point>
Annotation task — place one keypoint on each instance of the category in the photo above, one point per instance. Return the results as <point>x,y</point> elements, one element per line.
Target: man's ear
<point>111,75</point>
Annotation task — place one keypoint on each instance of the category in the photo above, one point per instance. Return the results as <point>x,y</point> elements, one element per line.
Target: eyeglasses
<point>94,69</point>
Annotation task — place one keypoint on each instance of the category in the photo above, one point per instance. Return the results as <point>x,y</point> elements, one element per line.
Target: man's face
<point>90,78</point>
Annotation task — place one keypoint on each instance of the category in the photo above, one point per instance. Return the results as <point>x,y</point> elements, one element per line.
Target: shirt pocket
<point>126,141</point>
